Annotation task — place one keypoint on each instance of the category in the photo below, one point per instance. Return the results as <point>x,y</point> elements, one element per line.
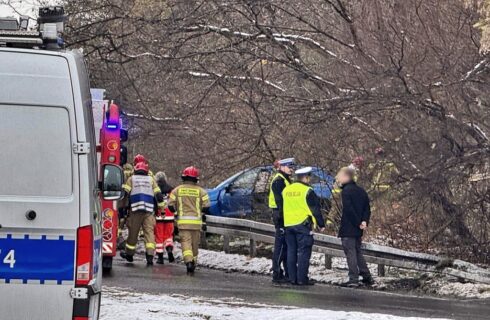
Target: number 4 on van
<point>9,258</point>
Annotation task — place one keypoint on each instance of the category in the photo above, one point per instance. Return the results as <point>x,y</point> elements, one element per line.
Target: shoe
<point>350,284</point>
<point>307,283</point>
<point>280,280</point>
<point>160,258</point>
<point>149,260</point>
<point>369,281</point>
<point>190,268</point>
<point>128,257</point>
<point>170,254</point>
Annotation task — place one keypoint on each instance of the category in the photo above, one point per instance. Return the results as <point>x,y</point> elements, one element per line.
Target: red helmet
<point>358,161</point>
<point>141,166</point>
<point>139,158</point>
<point>191,172</point>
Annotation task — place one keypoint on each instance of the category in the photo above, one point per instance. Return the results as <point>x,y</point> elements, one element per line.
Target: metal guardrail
<point>332,247</point>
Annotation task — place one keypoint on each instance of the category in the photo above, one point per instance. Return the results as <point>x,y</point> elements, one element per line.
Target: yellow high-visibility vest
<point>296,209</point>
<point>272,199</point>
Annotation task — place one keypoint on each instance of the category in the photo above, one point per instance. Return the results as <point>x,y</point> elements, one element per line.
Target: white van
<point>50,233</point>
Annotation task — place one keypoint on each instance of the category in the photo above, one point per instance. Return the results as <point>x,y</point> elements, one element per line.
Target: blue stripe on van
<point>37,259</point>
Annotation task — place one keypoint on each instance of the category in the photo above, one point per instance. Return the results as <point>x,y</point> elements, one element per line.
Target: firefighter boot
<point>149,260</point>
<point>170,254</point>
<point>160,258</point>
<point>128,257</point>
<point>190,268</point>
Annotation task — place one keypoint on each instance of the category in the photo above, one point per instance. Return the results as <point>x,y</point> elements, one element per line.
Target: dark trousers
<point>355,260</point>
<point>279,257</point>
<point>300,244</point>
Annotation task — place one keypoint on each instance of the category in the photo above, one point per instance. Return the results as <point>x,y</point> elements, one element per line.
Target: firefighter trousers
<point>189,240</point>
<point>136,221</point>
<point>164,235</point>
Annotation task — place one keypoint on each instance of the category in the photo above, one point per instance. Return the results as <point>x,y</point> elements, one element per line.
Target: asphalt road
<point>172,279</point>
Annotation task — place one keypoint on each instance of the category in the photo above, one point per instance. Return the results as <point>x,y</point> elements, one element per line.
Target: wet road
<point>172,279</point>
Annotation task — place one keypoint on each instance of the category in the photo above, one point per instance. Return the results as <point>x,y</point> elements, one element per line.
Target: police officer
<point>141,190</point>
<point>189,202</point>
<point>301,216</point>
<point>280,180</point>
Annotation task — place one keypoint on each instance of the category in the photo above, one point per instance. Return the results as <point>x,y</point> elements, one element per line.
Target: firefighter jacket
<point>142,190</point>
<point>189,200</point>
<point>383,174</point>
<point>301,205</point>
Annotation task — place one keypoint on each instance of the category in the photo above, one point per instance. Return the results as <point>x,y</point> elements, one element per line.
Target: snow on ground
<point>426,282</point>
<point>121,304</point>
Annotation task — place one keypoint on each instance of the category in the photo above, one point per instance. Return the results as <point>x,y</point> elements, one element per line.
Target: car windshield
<point>227,181</point>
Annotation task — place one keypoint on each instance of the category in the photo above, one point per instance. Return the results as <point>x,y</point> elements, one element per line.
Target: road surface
<point>172,279</point>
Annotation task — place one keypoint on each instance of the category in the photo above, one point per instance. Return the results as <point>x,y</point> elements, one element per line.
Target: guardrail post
<point>253,248</point>
<point>381,270</point>
<point>328,262</point>
<point>226,244</point>
<point>204,241</point>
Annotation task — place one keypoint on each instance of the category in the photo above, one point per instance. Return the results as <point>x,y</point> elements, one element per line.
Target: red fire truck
<point>107,119</point>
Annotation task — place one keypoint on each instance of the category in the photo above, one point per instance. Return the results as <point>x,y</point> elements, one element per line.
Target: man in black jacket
<point>356,213</point>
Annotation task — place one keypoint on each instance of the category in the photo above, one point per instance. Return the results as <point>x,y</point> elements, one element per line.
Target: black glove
<point>204,227</point>
<point>203,218</point>
<point>176,230</point>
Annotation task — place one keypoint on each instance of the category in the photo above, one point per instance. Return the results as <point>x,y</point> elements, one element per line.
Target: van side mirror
<point>112,181</point>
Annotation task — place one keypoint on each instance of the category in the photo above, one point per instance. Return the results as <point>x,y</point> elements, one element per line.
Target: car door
<point>260,196</point>
<point>322,184</point>
<point>237,196</point>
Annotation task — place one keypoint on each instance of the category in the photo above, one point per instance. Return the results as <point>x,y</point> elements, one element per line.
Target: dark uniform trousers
<point>300,244</point>
<point>279,256</point>
<point>355,260</point>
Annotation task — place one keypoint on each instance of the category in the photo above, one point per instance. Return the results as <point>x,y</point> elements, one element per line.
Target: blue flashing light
<point>111,126</point>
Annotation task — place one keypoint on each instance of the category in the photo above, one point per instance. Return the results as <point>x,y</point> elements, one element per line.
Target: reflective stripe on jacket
<point>189,200</point>
<point>296,209</point>
<point>272,199</point>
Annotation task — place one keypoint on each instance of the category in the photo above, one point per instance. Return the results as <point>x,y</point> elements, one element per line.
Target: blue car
<point>246,193</point>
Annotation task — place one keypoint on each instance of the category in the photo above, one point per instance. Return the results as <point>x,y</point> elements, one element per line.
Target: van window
<point>36,151</point>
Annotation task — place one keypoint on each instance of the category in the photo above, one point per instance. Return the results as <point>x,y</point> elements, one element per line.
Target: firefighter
<point>280,180</point>
<point>302,215</point>
<point>138,158</point>
<point>190,203</point>
<point>123,204</point>
<point>383,173</point>
<point>141,158</point>
<point>164,228</point>
<point>141,190</point>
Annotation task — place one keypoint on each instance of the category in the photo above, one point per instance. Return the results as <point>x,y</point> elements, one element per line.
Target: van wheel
<point>106,265</point>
